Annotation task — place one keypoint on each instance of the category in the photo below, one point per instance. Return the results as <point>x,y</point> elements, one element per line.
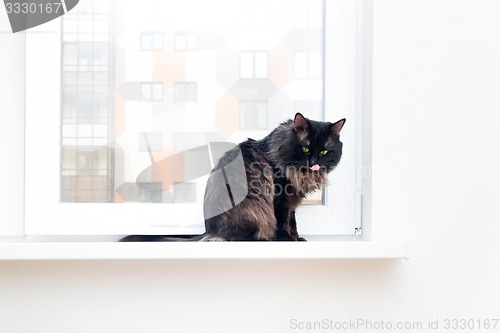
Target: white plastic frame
<point>45,215</point>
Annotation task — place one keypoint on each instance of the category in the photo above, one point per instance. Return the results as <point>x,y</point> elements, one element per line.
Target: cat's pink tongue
<point>315,167</point>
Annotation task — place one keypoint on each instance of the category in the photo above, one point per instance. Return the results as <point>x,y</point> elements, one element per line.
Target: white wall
<point>436,119</point>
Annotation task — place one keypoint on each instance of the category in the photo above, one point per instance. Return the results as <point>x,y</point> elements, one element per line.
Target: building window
<point>257,14</point>
<point>86,159</point>
<point>308,65</point>
<point>253,65</point>
<point>152,41</point>
<point>151,91</point>
<point>306,13</point>
<point>85,176</point>
<point>185,41</point>
<point>253,115</point>
<point>185,91</point>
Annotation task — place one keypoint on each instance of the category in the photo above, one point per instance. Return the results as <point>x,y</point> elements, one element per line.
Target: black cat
<point>254,189</point>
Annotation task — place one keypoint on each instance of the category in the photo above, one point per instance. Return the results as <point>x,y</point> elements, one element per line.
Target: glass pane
<point>145,91</point>
<point>157,41</point>
<point>180,41</point>
<point>300,65</point>
<point>261,65</point>
<point>146,41</point>
<point>137,126</point>
<point>246,65</point>
<point>71,54</point>
<point>191,41</point>
<point>157,91</point>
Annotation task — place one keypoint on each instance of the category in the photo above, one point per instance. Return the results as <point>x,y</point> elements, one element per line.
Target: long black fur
<point>280,171</point>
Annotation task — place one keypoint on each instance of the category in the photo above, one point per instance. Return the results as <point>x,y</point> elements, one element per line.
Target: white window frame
<point>45,215</point>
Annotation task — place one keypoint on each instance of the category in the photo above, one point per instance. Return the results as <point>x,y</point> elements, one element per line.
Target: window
<point>85,175</point>
<point>151,41</point>
<point>185,91</point>
<point>257,14</point>
<point>185,41</point>
<point>305,15</point>
<point>253,65</point>
<point>308,65</point>
<point>151,91</point>
<point>118,153</point>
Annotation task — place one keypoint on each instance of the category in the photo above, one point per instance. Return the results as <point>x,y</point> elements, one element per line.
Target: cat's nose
<point>314,160</point>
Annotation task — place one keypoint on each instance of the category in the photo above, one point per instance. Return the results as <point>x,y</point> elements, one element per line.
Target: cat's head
<point>312,145</point>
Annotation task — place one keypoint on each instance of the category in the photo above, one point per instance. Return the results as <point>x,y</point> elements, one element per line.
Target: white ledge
<point>200,250</point>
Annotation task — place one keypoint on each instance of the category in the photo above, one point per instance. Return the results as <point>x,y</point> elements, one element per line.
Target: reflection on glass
<point>141,85</point>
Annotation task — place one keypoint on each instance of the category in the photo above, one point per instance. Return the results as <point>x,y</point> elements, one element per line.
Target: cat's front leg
<point>283,232</point>
<point>282,211</point>
<point>286,227</point>
<point>283,235</point>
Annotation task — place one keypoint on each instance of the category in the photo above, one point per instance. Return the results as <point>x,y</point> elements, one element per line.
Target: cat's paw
<point>302,239</point>
<point>212,238</point>
<point>216,239</point>
<point>285,237</point>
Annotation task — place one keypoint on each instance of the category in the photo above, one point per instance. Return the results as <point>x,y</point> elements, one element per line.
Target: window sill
<point>27,250</point>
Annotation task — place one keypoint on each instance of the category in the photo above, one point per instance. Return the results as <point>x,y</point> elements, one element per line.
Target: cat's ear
<point>299,123</point>
<point>336,127</point>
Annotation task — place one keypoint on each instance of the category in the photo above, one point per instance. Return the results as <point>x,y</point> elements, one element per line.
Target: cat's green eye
<point>305,150</point>
<point>323,152</point>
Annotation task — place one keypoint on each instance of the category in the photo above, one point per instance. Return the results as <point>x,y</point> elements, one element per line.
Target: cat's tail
<point>158,238</point>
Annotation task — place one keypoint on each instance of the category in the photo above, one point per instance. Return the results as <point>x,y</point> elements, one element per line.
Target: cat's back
<point>242,172</point>
<point>250,152</point>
